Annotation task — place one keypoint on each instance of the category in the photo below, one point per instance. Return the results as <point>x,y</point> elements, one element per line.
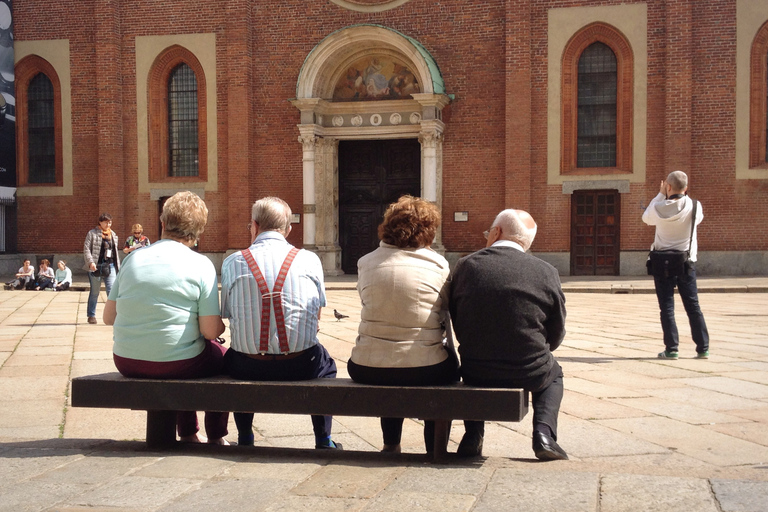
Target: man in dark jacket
<point>508,312</point>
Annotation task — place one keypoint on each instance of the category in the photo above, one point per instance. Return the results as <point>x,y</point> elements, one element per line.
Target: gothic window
<point>597,107</point>
<point>182,122</point>
<point>758,123</point>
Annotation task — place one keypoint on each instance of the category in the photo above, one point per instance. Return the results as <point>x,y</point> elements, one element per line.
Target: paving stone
<point>315,504</point>
<point>30,495</point>
<point>597,390</point>
<point>135,491</point>
<point>582,439</point>
<point>38,360</point>
<point>729,386</point>
<point>20,414</point>
<point>589,408</point>
<point>189,466</point>
<point>230,495</point>
<point>35,371</point>
<point>24,463</point>
<point>433,501</point>
<point>34,388</point>
<point>515,490</point>
<point>92,367</point>
<point>93,354</point>
<point>347,481</point>
<point>752,431</point>
<point>704,398</point>
<point>677,411</point>
<point>624,493</point>
<point>740,495</point>
<point>95,470</point>
<point>459,481</point>
<point>274,468</point>
<point>693,441</point>
<point>759,414</point>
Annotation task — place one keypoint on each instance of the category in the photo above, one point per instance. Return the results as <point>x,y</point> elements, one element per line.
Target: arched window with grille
<point>38,123</point>
<point>41,149</point>
<point>182,122</point>
<point>597,102</point>
<point>177,117</point>
<point>758,125</point>
<point>597,107</point>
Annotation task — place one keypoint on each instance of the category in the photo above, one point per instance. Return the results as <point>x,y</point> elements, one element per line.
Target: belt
<point>277,357</point>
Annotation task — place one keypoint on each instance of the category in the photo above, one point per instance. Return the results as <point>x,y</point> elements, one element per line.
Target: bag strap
<point>693,226</point>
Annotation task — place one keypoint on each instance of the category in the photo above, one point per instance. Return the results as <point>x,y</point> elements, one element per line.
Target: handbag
<point>673,263</point>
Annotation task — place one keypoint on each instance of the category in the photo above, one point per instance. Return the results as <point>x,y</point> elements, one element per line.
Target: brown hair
<point>410,222</point>
<point>184,216</point>
<point>45,262</point>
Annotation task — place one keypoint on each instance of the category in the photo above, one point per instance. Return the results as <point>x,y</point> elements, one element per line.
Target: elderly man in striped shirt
<point>272,294</point>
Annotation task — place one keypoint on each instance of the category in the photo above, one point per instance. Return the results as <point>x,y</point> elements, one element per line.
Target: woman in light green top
<point>63,278</point>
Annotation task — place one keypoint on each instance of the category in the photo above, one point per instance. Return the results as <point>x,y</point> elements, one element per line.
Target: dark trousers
<point>208,363</point>
<point>313,363</point>
<point>665,292</point>
<point>545,401</point>
<point>441,373</point>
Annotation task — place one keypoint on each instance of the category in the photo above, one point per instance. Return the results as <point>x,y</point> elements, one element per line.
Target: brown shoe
<point>91,319</point>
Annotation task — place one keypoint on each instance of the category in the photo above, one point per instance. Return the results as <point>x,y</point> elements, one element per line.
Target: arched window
<point>597,107</point>
<point>38,117</point>
<point>758,125</point>
<point>42,131</point>
<point>597,87</point>
<point>177,117</point>
<point>182,122</point>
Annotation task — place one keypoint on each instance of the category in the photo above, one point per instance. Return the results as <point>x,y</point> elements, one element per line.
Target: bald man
<point>508,312</point>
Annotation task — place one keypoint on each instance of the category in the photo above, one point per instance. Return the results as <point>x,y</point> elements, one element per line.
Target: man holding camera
<point>675,216</point>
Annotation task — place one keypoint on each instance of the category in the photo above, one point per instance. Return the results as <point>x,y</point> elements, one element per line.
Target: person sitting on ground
<point>24,276</point>
<point>508,312</point>
<point>63,279</point>
<point>282,285</point>
<point>45,277</point>
<point>164,306</point>
<point>136,240</point>
<point>402,287</point>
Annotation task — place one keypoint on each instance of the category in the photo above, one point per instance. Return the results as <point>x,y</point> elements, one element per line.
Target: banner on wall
<point>7,98</point>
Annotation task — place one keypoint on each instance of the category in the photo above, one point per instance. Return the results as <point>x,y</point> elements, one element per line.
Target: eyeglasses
<point>487,232</point>
<point>249,226</point>
<point>137,232</point>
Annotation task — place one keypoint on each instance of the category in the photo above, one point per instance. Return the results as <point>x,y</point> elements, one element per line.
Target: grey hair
<point>272,214</point>
<point>514,227</point>
<point>678,180</point>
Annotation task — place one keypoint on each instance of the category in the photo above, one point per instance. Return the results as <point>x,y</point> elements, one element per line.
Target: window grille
<point>41,131</point>
<point>766,111</point>
<point>182,122</point>
<point>597,107</point>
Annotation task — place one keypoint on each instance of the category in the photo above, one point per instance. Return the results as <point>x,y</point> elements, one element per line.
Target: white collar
<point>508,243</point>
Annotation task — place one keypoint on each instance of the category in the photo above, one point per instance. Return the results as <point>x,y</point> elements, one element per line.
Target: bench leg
<point>161,429</point>
<point>442,433</point>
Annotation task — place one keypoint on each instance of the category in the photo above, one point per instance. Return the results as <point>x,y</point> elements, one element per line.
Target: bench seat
<point>338,397</point>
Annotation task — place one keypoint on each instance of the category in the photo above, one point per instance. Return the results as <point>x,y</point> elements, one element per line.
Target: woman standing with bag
<point>101,261</point>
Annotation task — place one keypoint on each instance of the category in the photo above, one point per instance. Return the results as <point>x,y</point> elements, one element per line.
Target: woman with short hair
<point>402,336</point>
<point>101,261</point>
<point>136,240</point>
<point>165,310</point>
<point>63,279</point>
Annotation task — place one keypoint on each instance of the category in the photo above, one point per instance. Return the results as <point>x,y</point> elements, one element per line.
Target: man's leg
<point>93,297</point>
<point>665,293</point>
<point>686,284</point>
<point>546,407</point>
<point>321,366</point>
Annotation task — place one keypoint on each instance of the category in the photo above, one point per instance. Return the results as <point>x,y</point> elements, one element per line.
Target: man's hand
<point>663,188</point>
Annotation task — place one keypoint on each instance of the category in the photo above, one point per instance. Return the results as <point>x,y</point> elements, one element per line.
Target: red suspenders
<point>267,298</point>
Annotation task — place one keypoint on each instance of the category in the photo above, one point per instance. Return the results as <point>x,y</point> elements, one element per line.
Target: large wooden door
<point>595,246</point>
<point>372,174</point>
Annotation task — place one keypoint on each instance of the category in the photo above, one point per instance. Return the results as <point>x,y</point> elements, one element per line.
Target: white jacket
<point>672,219</point>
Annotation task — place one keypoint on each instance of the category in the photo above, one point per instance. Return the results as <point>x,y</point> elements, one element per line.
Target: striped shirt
<point>303,295</point>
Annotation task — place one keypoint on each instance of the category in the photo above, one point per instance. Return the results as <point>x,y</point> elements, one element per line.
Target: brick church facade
<point>571,109</point>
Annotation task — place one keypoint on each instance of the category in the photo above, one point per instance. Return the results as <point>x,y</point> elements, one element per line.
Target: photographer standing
<point>101,261</point>
<point>672,212</point>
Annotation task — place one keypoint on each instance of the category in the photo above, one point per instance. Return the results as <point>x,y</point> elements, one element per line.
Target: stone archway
<point>325,121</point>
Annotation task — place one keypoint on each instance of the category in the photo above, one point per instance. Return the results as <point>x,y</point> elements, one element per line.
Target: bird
<point>339,316</point>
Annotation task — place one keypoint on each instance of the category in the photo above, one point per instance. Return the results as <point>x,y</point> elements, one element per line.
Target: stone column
<point>327,204</point>
<point>308,141</point>
<point>431,139</point>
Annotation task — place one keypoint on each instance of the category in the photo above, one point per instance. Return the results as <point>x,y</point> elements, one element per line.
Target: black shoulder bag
<point>673,263</point>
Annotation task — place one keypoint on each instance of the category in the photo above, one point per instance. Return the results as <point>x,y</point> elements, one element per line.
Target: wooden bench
<point>338,397</point>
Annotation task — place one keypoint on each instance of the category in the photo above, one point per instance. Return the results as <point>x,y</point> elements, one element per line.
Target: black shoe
<point>471,445</point>
<point>546,448</point>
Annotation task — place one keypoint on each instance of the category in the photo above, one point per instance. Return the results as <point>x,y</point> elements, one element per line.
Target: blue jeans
<point>665,292</point>
<point>95,281</point>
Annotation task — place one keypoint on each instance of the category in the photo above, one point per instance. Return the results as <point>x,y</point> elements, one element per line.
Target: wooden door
<point>372,174</point>
<point>595,243</point>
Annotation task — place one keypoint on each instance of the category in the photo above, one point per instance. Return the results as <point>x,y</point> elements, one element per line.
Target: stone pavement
<point>642,433</point>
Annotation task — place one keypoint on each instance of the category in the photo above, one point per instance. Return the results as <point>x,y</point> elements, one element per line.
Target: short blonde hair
<point>184,216</point>
<point>137,227</point>
<point>272,214</point>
